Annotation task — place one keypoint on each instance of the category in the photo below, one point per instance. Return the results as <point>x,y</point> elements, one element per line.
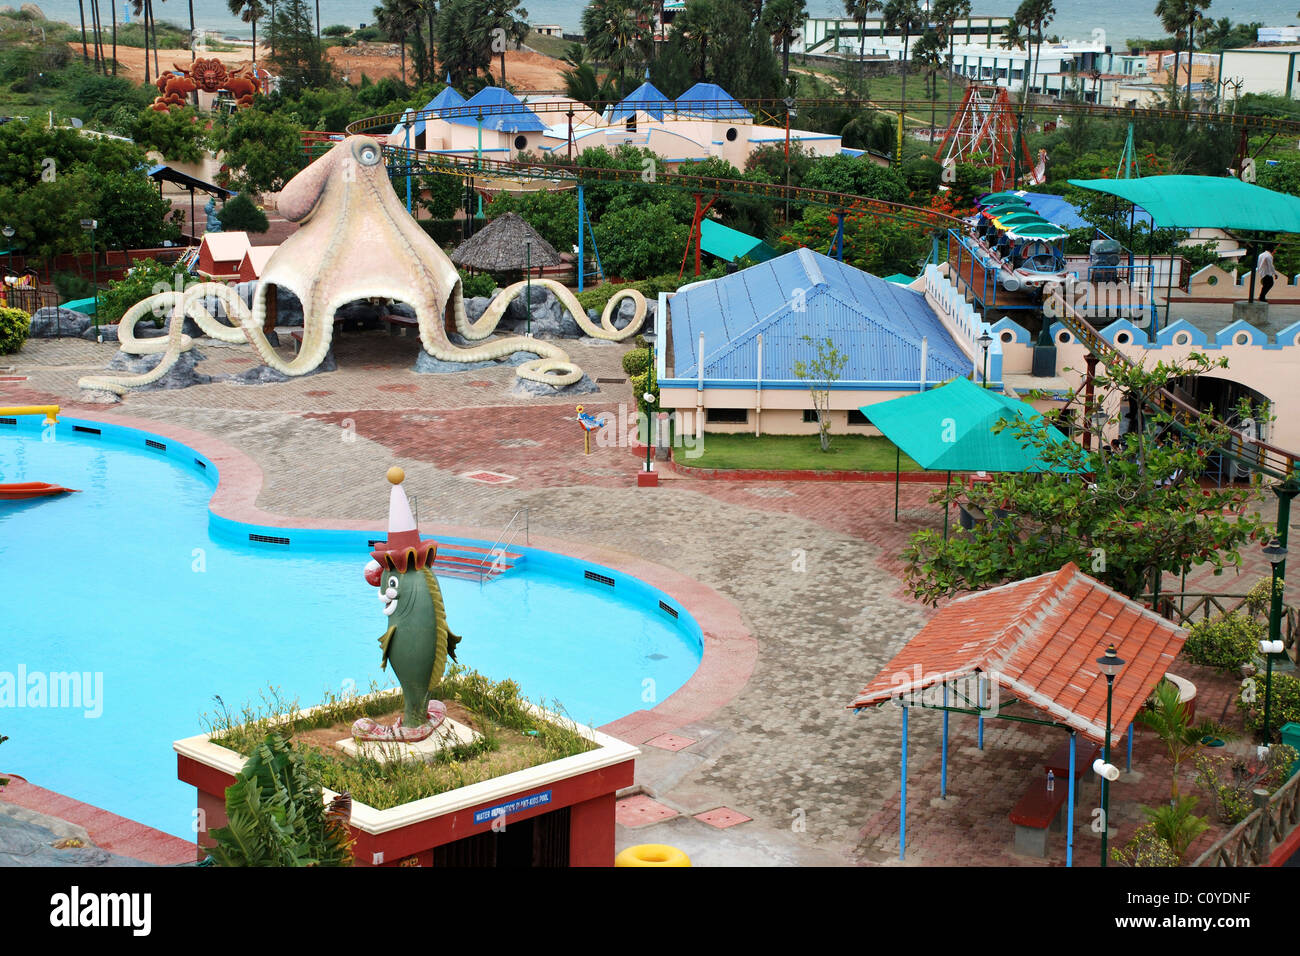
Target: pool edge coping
<point>729,653</point>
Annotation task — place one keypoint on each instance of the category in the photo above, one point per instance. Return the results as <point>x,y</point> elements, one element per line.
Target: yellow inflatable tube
<point>652,854</point>
<point>51,412</point>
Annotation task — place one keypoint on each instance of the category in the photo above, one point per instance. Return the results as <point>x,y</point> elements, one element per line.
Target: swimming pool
<point>160,605</point>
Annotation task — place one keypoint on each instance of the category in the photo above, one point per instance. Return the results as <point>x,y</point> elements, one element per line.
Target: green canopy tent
<point>950,428</point>
<point>993,199</point>
<point>1209,202</point>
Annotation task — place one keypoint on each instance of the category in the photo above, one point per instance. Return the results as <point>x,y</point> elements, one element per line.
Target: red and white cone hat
<point>403,550</point>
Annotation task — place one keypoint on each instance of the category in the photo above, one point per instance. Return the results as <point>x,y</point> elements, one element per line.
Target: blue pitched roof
<point>877,324</point>
<point>710,101</point>
<point>522,120</point>
<point>645,98</point>
<point>448,97</point>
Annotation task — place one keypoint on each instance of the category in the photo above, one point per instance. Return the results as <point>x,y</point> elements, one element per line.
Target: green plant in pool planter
<point>276,814</point>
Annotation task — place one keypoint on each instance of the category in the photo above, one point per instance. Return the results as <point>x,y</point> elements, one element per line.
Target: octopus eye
<point>368,155</point>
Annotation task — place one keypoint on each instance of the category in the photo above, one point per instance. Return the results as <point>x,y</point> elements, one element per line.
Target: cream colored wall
<point>782,409</point>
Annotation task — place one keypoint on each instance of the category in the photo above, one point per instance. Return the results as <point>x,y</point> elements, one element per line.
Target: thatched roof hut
<point>503,246</point>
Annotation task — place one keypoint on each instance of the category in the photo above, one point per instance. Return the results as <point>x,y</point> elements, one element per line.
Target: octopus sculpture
<point>357,241</point>
<point>209,75</point>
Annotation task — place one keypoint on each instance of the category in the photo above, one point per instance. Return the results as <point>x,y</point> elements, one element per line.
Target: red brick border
<point>109,831</point>
<point>730,651</point>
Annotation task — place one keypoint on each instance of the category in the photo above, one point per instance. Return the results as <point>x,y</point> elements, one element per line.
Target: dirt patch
<point>525,69</point>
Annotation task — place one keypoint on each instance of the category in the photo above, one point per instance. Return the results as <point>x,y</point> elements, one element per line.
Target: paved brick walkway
<point>813,568</point>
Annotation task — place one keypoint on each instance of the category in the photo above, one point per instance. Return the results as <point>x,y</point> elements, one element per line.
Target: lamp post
<point>9,253</point>
<point>649,418</point>
<point>89,225</point>
<point>1276,554</point>
<point>984,341</point>
<point>528,293</point>
<point>1110,665</point>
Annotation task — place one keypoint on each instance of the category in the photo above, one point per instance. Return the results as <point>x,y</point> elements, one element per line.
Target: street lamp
<point>89,225</point>
<point>9,234</point>
<point>528,293</point>
<point>1110,665</point>
<point>1276,554</point>
<point>984,341</point>
<point>649,418</point>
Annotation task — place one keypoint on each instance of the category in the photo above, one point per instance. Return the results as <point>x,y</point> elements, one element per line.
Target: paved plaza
<point>811,567</point>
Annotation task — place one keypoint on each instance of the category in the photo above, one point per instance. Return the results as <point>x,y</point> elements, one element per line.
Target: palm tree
<point>1167,716</point>
<point>928,52</point>
<point>859,10</point>
<point>1172,18</point>
<point>113,7</point>
<point>499,22</point>
<point>1034,15</point>
<point>1195,10</point>
<point>193,54</point>
<point>946,13</point>
<point>249,11</point>
<point>782,19</point>
<point>902,15</point>
<point>141,9</point>
<point>85,53</point>
<point>397,18</point>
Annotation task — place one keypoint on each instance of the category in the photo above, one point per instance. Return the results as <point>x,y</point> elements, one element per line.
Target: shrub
<point>476,284</point>
<point>1147,848</point>
<point>14,326</point>
<point>1286,701</point>
<point>241,214</point>
<point>145,278</point>
<point>636,361</point>
<point>1224,642</point>
<point>1258,601</point>
<point>445,232</point>
<point>73,286</point>
<point>596,298</point>
<point>1177,824</point>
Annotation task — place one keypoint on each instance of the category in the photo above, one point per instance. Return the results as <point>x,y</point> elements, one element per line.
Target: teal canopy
<point>1212,202</point>
<point>950,428</point>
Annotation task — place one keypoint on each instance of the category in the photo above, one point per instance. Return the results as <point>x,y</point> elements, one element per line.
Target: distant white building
<point>1264,69</point>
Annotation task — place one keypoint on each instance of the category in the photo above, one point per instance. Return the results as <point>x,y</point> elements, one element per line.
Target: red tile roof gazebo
<point>1033,642</point>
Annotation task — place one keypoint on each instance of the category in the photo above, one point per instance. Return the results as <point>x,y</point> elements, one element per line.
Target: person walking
<point>1265,271</point>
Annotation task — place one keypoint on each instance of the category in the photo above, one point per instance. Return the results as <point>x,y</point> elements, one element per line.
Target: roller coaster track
<point>775,108</point>
<point>403,161</point>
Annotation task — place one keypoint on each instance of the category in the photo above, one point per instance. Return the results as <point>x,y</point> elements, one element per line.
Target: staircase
<point>474,563</point>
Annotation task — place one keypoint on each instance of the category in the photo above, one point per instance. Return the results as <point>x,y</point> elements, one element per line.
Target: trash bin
<point>1291,737</point>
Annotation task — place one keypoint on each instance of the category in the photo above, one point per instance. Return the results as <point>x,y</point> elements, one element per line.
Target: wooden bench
<point>1059,763</point>
<point>1038,811</point>
<point>399,324</point>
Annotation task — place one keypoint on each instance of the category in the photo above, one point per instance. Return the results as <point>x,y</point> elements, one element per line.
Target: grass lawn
<point>802,452</point>
<point>550,46</point>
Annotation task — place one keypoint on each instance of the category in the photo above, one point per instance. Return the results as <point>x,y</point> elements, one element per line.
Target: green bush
<point>146,277</point>
<point>241,214</point>
<point>1224,642</point>
<point>1147,848</point>
<point>1286,701</point>
<point>73,286</point>
<point>14,326</point>
<point>636,361</point>
<point>476,284</point>
<point>596,298</point>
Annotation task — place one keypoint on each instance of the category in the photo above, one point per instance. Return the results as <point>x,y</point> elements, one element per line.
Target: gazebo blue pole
<point>1069,807</point>
<point>981,732</point>
<point>1128,761</point>
<point>943,761</point>
<point>979,703</point>
<point>582,214</point>
<point>902,795</point>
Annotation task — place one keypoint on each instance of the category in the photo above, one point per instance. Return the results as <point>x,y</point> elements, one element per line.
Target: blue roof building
<point>447,98</point>
<point>645,99</point>
<point>710,101</point>
<point>501,118</point>
<point>782,310</point>
<point>879,325</point>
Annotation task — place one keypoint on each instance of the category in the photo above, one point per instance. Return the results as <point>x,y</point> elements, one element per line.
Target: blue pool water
<point>134,580</point>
